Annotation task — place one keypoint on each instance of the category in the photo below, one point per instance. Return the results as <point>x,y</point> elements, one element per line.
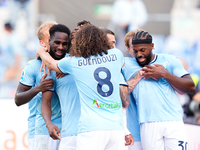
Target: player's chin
<point>58,57</point>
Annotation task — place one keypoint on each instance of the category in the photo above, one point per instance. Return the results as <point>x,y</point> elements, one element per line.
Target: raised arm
<point>48,60</point>
<point>25,93</point>
<point>54,132</point>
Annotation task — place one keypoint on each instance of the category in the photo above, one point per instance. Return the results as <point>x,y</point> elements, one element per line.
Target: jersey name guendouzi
<point>99,60</point>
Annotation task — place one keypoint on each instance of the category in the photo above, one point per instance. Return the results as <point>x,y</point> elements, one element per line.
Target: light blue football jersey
<point>132,119</point>
<point>97,81</point>
<point>31,77</point>
<point>67,92</point>
<point>156,100</point>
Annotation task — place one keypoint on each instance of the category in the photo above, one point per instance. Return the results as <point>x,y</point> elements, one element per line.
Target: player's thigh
<point>116,140</point>
<point>152,136</point>
<point>93,140</point>
<point>135,146</point>
<point>68,143</point>
<point>31,143</point>
<point>53,144</point>
<point>45,142</point>
<point>41,142</point>
<point>176,139</point>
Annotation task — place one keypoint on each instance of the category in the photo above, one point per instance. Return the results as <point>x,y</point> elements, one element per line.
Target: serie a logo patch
<point>23,73</point>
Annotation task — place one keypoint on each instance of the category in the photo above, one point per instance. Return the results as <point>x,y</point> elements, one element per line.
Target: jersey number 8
<point>103,81</point>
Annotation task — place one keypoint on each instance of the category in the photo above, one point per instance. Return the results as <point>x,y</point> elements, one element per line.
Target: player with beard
<point>67,92</point>
<point>160,113</point>
<point>61,40</point>
<point>29,91</point>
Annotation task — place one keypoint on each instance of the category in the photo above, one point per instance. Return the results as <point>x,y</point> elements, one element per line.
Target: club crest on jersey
<point>106,106</point>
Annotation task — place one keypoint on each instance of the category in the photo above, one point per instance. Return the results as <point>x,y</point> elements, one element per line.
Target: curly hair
<point>90,41</point>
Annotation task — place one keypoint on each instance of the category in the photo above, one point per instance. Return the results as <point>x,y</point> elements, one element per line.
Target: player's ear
<point>42,43</point>
<point>152,45</point>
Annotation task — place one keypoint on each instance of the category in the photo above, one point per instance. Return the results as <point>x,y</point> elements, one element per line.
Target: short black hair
<point>142,35</point>
<point>107,31</point>
<point>59,28</point>
<point>8,26</point>
<point>83,22</point>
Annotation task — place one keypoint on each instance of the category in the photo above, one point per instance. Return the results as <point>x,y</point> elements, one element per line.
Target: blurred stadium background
<point>174,24</point>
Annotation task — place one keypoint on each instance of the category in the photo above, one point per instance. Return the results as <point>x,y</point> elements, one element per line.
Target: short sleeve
<point>177,67</point>
<point>122,81</point>
<point>28,75</point>
<point>52,76</point>
<point>65,65</point>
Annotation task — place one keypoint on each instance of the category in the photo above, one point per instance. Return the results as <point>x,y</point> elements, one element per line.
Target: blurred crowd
<point>18,43</point>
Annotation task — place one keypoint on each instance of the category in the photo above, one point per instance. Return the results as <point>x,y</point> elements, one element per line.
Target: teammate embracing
<point>96,70</point>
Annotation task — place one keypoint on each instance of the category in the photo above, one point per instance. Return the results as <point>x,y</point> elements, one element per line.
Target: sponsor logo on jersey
<point>106,106</point>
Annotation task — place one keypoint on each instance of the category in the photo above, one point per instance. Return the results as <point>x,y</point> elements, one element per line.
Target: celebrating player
<point>160,113</point>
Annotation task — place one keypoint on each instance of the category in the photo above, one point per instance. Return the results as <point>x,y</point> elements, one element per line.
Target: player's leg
<point>45,142</point>
<point>152,136</point>
<point>93,140</point>
<point>68,143</point>
<point>116,140</point>
<point>176,138</point>
<point>53,144</point>
<point>41,142</point>
<point>135,146</point>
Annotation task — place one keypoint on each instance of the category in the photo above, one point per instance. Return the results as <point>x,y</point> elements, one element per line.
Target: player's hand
<point>59,75</point>
<point>45,68</point>
<point>39,50</point>
<point>54,132</point>
<point>129,140</point>
<point>45,84</point>
<point>153,71</point>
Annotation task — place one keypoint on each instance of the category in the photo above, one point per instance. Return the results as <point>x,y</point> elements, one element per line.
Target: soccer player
<point>111,37</point>
<point>101,125</point>
<point>67,92</point>
<point>32,83</point>
<point>131,111</point>
<point>160,113</point>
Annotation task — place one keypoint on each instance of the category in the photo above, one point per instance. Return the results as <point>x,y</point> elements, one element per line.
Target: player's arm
<point>48,60</point>
<point>184,84</point>
<point>133,81</point>
<point>54,132</point>
<point>25,93</point>
<point>124,95</point>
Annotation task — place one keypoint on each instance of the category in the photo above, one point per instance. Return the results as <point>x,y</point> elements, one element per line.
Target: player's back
<point>97,80</point>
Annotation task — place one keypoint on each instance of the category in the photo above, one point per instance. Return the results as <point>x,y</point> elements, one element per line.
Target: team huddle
<point>80,83</point>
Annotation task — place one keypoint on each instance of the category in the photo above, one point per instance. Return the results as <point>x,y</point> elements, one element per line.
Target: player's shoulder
<point>34,62</point>
<point>130,60</point>
<point>166,56</point>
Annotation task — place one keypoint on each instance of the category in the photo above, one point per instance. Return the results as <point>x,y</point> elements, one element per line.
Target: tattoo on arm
<point>124,96</point>
<point>133,81</point>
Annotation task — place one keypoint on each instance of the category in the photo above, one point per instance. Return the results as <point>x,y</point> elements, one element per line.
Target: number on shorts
<point>105,81</point>
<point>181,143</point>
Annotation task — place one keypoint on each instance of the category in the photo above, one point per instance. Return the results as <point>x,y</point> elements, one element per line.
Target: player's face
<point>143,53</point>
<point>58,45</point>
<point>112,40</point>
<point>130,49</point>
